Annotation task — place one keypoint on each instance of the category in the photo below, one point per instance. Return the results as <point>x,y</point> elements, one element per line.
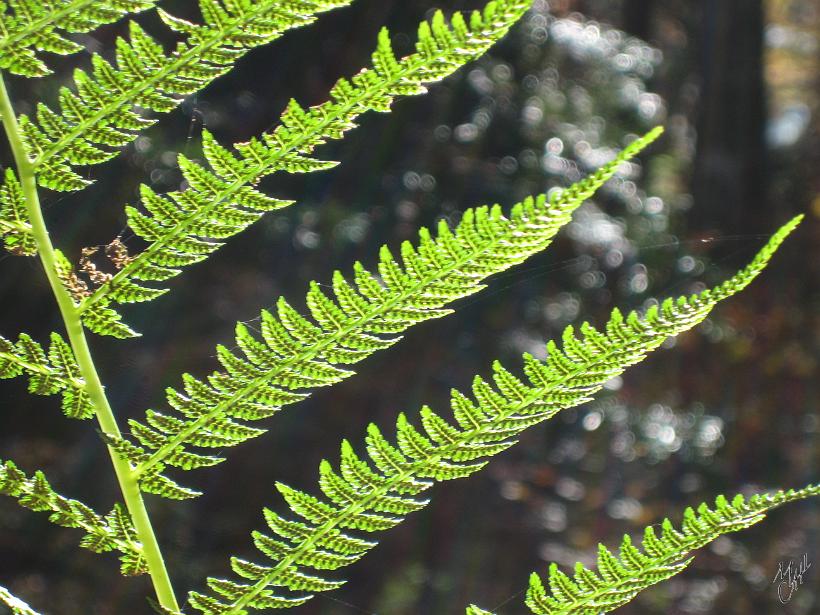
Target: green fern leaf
<point>55,372</point>
<point>42,25</point>
<point>620,579</point>
<point>112,532</point>
<point>100,115</point>
<point>17,606</point>
<point>297,354</point>
<point>105,321</point>
<point>15,228</point>
<point>99,318</point>
<point>403,470</point>
<point>183,228</point>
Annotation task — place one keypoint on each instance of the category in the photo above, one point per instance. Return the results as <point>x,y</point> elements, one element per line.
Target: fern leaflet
<point>112,532</point>
<point>620,579</point>
<point>42,25</point>
<point>298,354</point>
<point>17,606</point>
<point>376,495</point>
<point>49,373</point>
<point>183,228</point>
<point>15,228</point>
<point>100,116</point>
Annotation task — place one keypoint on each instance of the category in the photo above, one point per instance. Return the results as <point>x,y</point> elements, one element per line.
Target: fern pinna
<point>114,531</point>
<point>374,495</point>
<point>366,311</point>
<point>620,579</point>
<point>297,354</point>
<point>49,373</point>
<point>101,115</point>
<point>15,229</point>
<point>184,227</point>
<point>17,606</point>
<point>29,26</point>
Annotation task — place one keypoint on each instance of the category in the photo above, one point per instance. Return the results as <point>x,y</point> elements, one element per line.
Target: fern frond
<point>42,25</point>
<point>102,319</point>
<point>100,116</point>
<point>48,373</point>
<point>476,610</point>
<point>183,228</point>
<point>620,579</point>
<point>376,494</point>
<point>109,533</point>
<point>15,228</point>
<point>17,606</point>
<point>298,354</point>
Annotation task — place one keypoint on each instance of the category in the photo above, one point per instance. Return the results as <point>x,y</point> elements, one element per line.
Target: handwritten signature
<point>789,577</point>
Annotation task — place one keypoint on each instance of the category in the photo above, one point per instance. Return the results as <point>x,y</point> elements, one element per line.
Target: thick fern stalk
<point>42,25</point>
<point>375,495</point>
<point>298,354</point>
<point>112,532</point>
<point>182,228</point>
<point>17,606</point>
<point>82,354</point>
<point>619,579</point>
<point>55,371</point>
<point>15,230</point>
<point>100,116</point>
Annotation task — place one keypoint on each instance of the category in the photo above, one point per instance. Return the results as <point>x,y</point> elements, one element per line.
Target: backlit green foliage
<point>109,533</point>
<point>365,492</point>
<point>297,354</point>
<point>17,606</point>
<point>41,25</point>
<point>48,373</point>
<point>15,229</point>
<point>375,494</point>
<point>619,579</point>
<point>184,227</point>
<point>101,115</point>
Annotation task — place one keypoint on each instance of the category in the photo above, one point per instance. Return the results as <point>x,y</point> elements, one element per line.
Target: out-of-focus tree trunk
<point>637,17</point>
<point>729,178</point>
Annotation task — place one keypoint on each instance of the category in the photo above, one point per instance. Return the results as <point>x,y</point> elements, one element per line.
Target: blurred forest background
<point>731,408</point>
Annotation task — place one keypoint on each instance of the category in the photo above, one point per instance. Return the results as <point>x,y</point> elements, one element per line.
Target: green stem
<point>76,336</point>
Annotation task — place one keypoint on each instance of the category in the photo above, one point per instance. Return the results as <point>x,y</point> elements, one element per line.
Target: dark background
<point>731,408</point>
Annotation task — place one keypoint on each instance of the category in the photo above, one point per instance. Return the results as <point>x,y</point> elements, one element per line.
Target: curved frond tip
<point>298,354</point>
<point>185,227</point>
<point>374,493</point>
<point>619,579</point>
